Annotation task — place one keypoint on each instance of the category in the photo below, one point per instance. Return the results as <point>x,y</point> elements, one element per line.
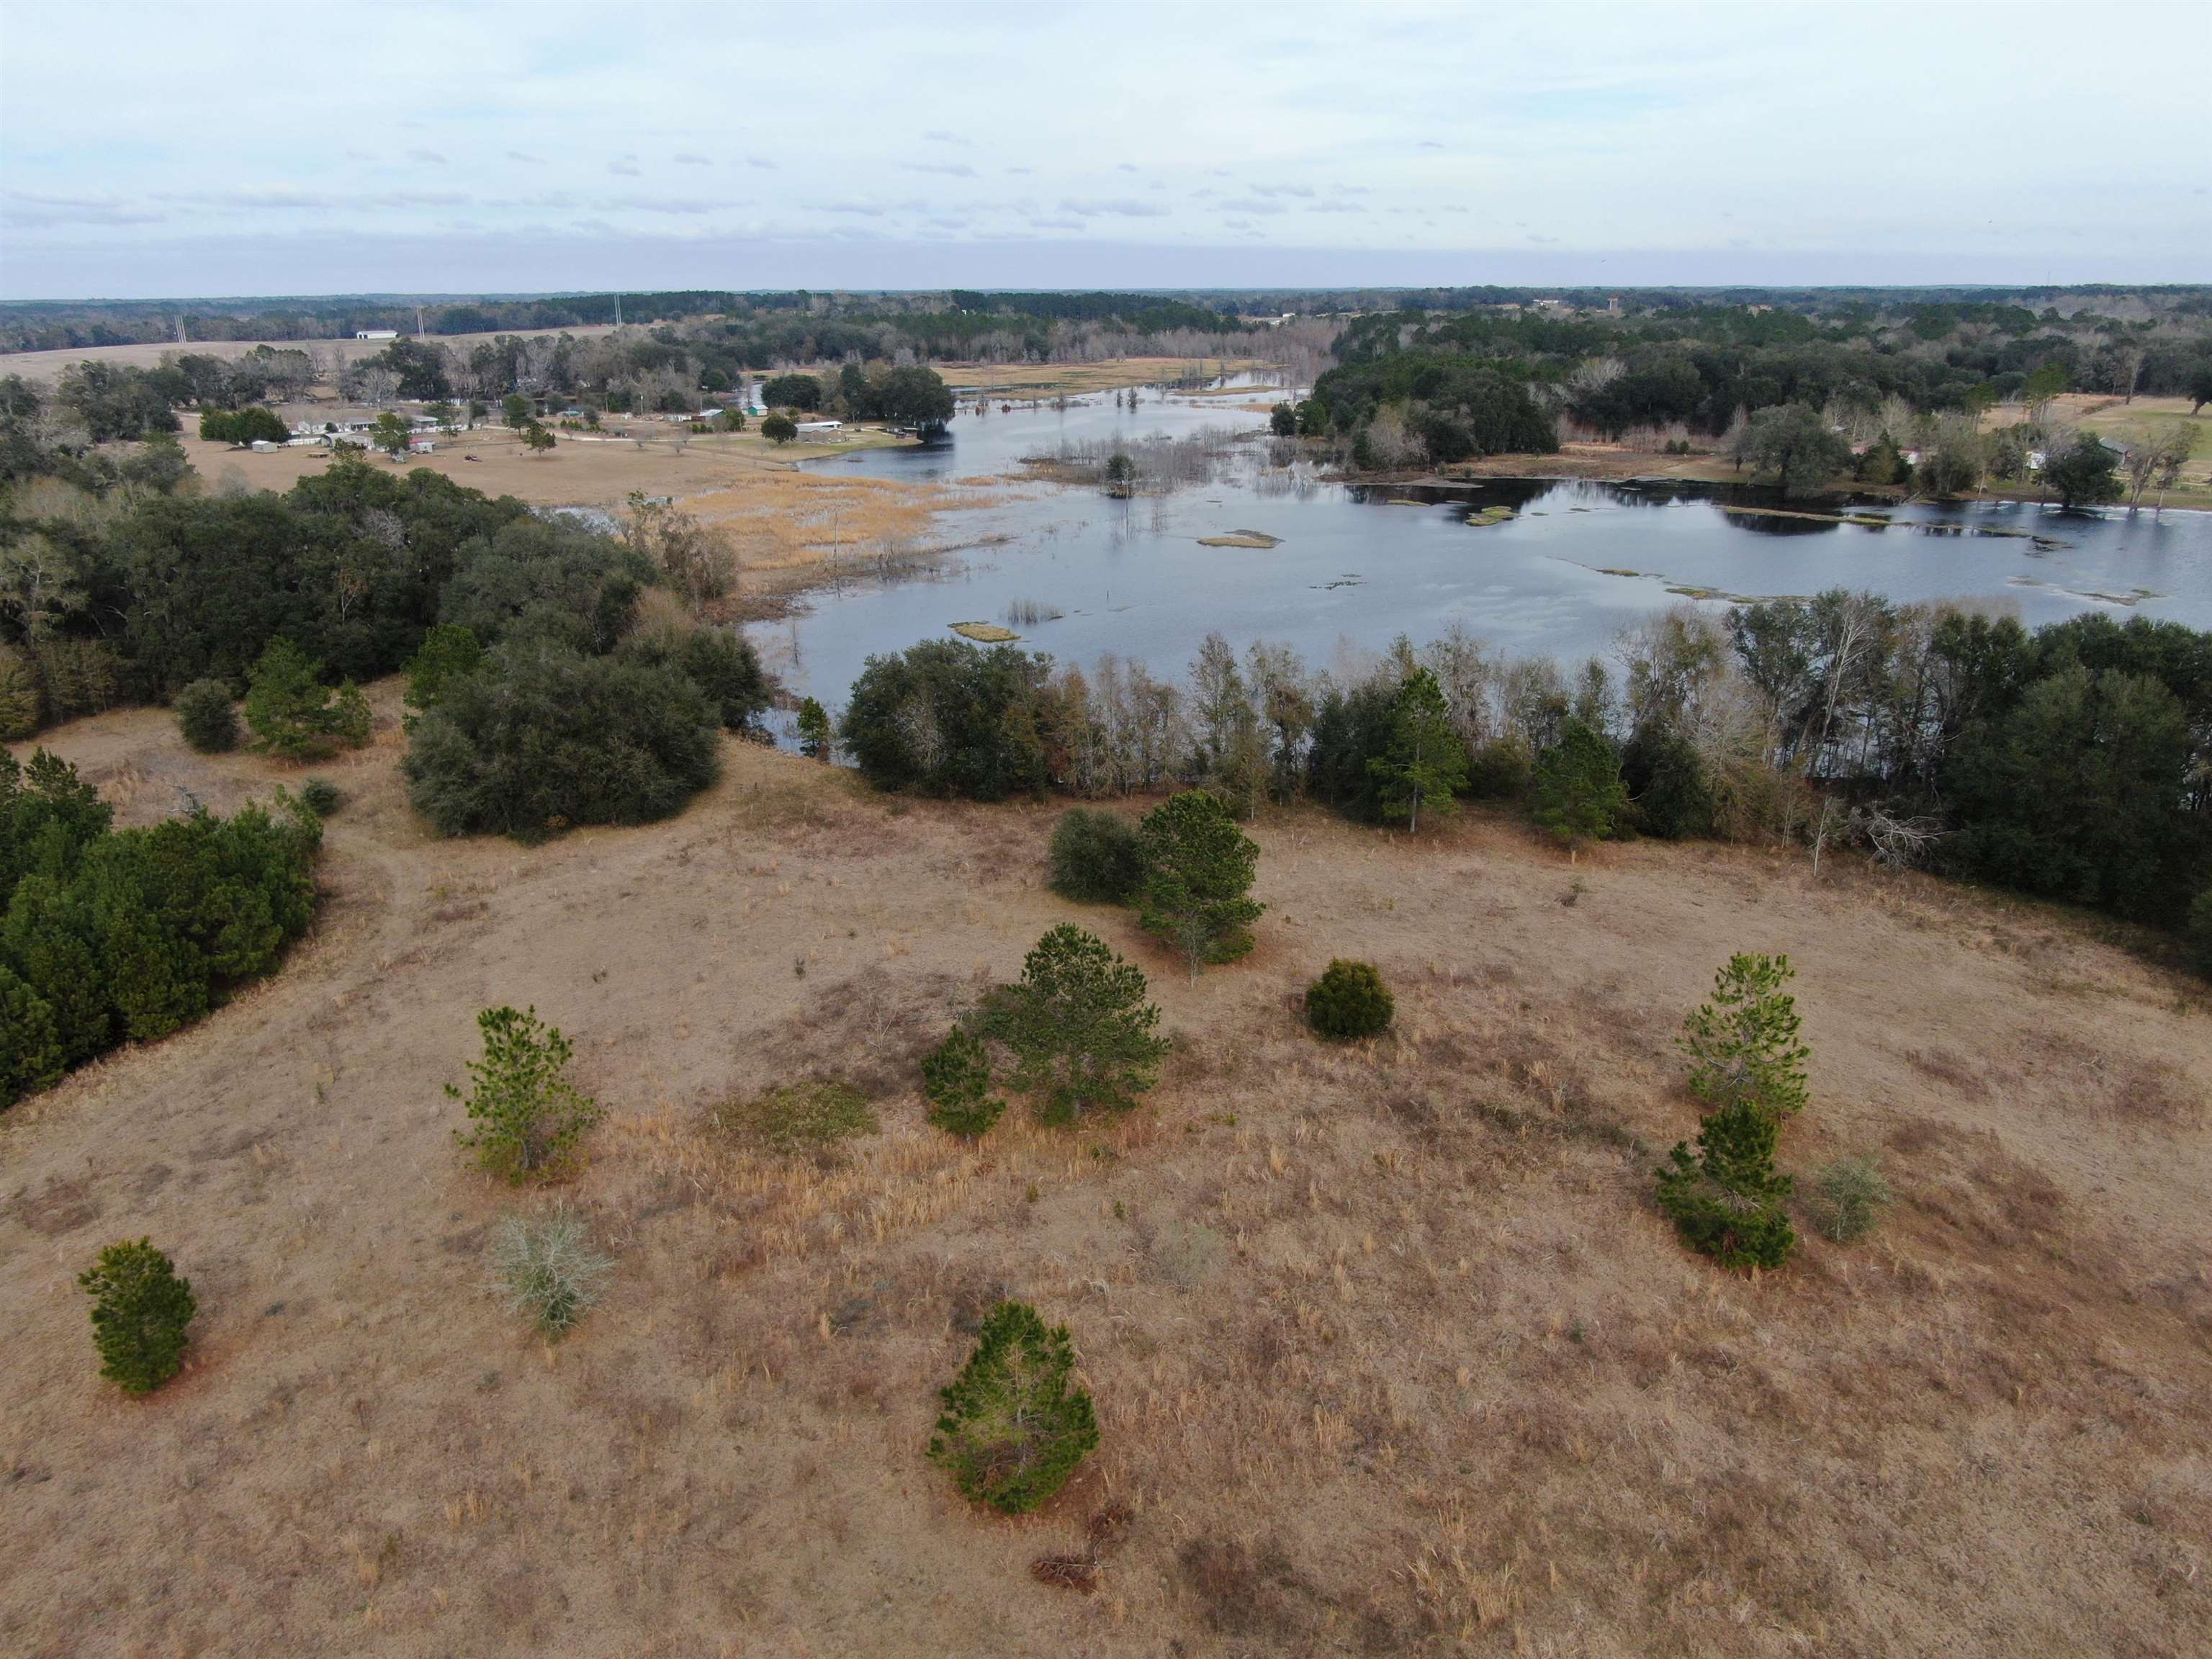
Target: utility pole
<point>418,322</point>
<point>617,311</point>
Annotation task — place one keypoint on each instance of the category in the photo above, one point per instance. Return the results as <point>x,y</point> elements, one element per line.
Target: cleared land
<point>1392,1352</point>
<point>1020,382</point>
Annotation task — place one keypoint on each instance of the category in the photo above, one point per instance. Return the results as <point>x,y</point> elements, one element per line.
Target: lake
<point>1355,566</point>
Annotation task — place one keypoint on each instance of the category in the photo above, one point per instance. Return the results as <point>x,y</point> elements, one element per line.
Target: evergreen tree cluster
<point>113,935</point>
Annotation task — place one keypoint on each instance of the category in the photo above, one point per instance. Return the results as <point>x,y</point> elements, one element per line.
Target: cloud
<point>1282,190</point>
<point>624,165</point>
<point>429,155</point>
<point>1125,207</point>
<point>1429,144</point>
<point>22,207</point>
<point>1124,167</point>
<point>950,169</point>
<point>1057,224</point>
<point>526,158</point>
<point>1337,207</point>
<point>940,136</point>
<point>685,158</point>
<point>762,162</point>
<point>1253,204</point>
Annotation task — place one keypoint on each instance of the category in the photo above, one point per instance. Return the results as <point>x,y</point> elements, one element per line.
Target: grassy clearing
<point>1391,1351</point>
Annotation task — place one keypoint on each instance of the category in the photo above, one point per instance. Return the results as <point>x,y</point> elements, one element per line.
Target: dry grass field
<point>1392,1352</point>
<point>1022,381</point>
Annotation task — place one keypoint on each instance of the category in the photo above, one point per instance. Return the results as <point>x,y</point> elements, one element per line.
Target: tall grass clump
<point>1848,1199</point>
<point>548,1271</point>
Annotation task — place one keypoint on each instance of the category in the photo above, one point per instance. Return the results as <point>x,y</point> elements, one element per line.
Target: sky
<point>191,149</point>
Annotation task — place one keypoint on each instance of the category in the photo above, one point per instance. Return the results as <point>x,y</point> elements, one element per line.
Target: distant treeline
<point>2071,762</point>
<point>1414,387</point>
<point>950,318</point>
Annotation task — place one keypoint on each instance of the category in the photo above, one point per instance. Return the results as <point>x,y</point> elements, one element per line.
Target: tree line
<point>2069,762</point>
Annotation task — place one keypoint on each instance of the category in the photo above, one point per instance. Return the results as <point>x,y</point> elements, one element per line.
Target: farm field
<point>1392,1352</point>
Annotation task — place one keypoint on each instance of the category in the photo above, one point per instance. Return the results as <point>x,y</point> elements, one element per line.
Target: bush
<point>721,662</point>
<point>528,1117</point>
<point>141,1313</point>
<point>956,1077</point>
<point>1013,1430</point>
<point>320,796</point>
<point>948,718</point>
<point>1742,1041</point>
<point>1727,1201</point>
<point>1576,791</point>
<point>548,1270</point>
<point>1199,867</point>
<point>207,718</point>
<point>779,428</point>
<point>542,737</point>
<point>1080,1029</point>
<point>1848,1198</point>
<point>1348,1002</point>
<point>2200,931</point>
<point>1498,771</point>
<point>1094,858</point>
<point>803,1117</point>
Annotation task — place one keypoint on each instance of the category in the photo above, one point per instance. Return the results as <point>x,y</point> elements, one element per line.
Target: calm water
<point>1356,567</point>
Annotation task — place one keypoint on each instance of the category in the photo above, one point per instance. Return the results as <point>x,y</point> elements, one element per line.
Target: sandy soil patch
<point>1391,1351</point>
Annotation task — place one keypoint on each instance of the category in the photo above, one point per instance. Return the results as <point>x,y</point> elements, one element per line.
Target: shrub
<point>528,1117</point>
<point>1012,1430</point>
<point>779,428</point>
<point>1576,791</point>
<point>1848,1198</point>
<point>548,1270</point>
<point>721,662</point>
<point>1198,872</point>
<point>1080,1029</point>
<point>542,737</point>
<point>2200,931</point>
<point>1742,1041</point>
<point>1094,858</point>
<point>803,1117</point>
<point>141,1312</point>
<point>948,718</point>
<point>1349,1001</point>
<point>207,718</point>
<point>1498,771</point>
<point>320,796</point>
<point>956,1077</point>
<point>1727,1201</point>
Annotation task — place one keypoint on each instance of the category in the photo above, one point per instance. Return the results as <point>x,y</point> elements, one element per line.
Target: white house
<point>821,426</point>
<point>376,334</point>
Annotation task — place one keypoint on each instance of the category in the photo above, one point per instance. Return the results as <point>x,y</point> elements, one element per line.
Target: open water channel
<point>1355,566</point>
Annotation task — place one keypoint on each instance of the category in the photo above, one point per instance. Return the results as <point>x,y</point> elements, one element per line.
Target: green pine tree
<point>1742,1041</point>
<point>1199,867</point>
<point>1577,792</point>
<point>49,932</point>
<point>1078,1025</point>
<point>1727,1201</point>
<point>527,1117</point>
<point>141,1313</point>
<point>1425,764</point>
<point>31,1055</point>
<point>1013,1430</point>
